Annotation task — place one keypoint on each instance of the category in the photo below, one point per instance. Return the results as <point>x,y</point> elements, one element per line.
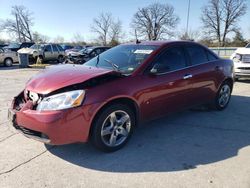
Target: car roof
<point>162,42</point>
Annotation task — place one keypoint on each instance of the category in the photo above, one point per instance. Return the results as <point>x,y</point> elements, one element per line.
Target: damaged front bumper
<point>50,127</point>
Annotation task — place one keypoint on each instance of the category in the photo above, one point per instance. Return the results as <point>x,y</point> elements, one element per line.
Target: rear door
<point>55,51</point>
<point>167,90</point>
<point>48,52</point>
<point>205,71</point>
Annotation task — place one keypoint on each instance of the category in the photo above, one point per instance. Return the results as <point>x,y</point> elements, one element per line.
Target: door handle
<point>187,76</point>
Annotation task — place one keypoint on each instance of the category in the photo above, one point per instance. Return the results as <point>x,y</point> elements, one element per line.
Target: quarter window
<point>171,60</point>
<point>197,55</point>
<point>211,57</point>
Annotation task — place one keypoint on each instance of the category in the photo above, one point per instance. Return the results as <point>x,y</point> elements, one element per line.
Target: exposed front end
<point>51,126</point>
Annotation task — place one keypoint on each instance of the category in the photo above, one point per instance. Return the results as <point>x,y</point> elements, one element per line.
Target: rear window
<point>197,55</point>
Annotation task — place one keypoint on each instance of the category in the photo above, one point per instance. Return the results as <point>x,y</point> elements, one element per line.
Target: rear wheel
<point>223,96</point>
<point>8,62</point>
<point>113,127</point>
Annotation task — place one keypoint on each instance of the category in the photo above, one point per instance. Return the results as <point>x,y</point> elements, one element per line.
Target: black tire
<point>101,122</point>
<point>218,105</point>
<point>8,62</point>
<point>60,59</point>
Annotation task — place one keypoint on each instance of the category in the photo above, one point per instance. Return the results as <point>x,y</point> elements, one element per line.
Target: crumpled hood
<point>243,51</point>
<point>59,76</point>
<point>27,51</point>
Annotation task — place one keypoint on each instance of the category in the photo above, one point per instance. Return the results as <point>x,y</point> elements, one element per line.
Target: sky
<point>66,18</point>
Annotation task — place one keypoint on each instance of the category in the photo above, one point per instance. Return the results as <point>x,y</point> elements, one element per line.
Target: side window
<point>210,56</point>
<point>98,51</point>
<point>1,50</point>
<point>171,60</point>
<point>60,48</point>
<point>54,48</point>
<point>48,48</point>
<point>197,55</point>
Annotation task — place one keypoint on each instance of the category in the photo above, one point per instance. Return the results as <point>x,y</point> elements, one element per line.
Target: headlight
<point>62,101</point>
<point>238,57</point>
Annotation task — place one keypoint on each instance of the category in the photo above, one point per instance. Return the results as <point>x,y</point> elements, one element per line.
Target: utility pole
<point>187,27</point>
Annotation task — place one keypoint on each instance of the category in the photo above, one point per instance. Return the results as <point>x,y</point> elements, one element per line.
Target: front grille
<point>244,68</point>
<point>246,58</point>
<point>29,132</point>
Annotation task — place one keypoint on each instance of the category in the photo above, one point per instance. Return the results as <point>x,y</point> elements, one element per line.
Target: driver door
<point>168,84</point>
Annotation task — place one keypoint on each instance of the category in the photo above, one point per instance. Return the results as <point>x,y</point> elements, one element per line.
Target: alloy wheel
<point>224,95</point>
<point>116,128</point>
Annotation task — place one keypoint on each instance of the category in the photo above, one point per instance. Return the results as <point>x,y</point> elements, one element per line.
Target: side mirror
<point>153,71</point>
<point>159,68</point>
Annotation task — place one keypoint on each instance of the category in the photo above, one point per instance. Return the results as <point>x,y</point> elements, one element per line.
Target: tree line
<point>157,21</point>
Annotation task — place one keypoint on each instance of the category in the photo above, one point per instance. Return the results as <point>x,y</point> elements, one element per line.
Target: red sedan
<point>104,99</point>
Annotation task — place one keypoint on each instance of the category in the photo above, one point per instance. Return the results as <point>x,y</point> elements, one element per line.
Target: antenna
<point>136,39</point>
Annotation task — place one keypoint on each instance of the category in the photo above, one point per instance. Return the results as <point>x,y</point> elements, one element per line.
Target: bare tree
<point>59,39</point>
<point>155,21</point>
<point>21,25</point>
<point>101,26</point>
<point>40,38</point>
<point>220,17</point>
<point>190,35</point>
<point>78,39</point>
<point>115,31</point>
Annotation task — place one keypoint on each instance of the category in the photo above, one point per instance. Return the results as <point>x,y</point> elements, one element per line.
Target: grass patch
<point>40,66</point>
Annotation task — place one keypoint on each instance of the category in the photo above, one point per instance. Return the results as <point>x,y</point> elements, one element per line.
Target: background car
<point>45,52</point>
<point>241,59</point>
<point>86,54</point>
<point>16,46</point>
<point>75,49</point>
<point>3,45</point>
<point>66,47</point>
<point>103,100</point>
<point>8,57</point>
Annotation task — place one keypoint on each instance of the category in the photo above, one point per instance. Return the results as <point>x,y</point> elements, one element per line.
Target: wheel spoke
<point>112,140</point>
<point>107,131</point>
<point>113,118</point>
<point>123,119</point>
<point>123,132</point>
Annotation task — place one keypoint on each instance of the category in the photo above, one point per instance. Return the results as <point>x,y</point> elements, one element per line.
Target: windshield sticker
<point>143,51</point>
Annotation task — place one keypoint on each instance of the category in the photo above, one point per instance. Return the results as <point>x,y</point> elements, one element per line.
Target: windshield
<point>37,46</point>
<point>123,58</point>
<point>14,45</point>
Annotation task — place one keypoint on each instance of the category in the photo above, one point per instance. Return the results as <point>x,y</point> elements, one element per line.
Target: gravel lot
<point>189,149</point>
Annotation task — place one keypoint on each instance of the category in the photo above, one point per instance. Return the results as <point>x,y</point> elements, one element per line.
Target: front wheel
<point>113,127</point>
<point>223,96</point>
<point>8,62</point>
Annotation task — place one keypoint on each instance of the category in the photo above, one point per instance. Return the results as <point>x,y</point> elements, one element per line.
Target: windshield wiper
<point>97,61</point>
<point>115,66</point>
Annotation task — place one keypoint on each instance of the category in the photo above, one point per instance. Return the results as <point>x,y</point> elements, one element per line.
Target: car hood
<point>243,51</point>
<point>59,76</point>
<point>27,51</point>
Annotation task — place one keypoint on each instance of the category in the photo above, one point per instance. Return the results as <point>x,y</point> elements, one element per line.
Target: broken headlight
<point>61,101</point>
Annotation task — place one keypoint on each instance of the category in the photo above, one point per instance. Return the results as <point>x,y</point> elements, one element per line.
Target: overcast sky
<point>66,18</point>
